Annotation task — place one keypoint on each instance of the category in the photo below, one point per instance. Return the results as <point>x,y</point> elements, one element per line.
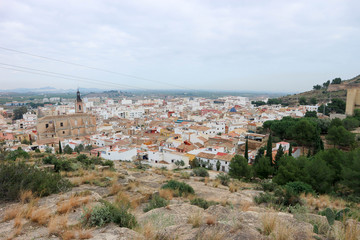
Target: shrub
<point>83,159</point>
<point>300,187</point>
<point>180,188</point>
<point>200,202</point>
<point>156,202</point>
<point>68,150</point>
<point>19,153</point>
<point>268,186</point>
<point>106,213</point>
<point>200,172</point>
<point>18,177</point>
<point>263,198</point>
<point>287,196</point>
<point>184,175</point>
<point>108,163</point>
<point>224,178</point>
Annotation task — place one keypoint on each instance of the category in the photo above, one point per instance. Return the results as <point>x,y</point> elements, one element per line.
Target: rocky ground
<point>235,217</point>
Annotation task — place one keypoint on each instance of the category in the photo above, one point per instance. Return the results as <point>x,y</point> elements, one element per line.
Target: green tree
<point>302,101</point>
<point>336,81</point>
<point>239,168</point>
<point>319,175</point>
<point>60,148</point>
<point>19,112</point>
<point>313,100</point>
<point>68,150</point>
<point>246,154</point>
<point>262,168</point>
<point>269,147</point>
<point>218,165</point>
<point>337,105</point>
<point>305,132</point>
<point>339,136</point>
<point>290,150</point>
<point>311,114</point>
<point>317,87</point>
<point>180,163</point>
<point>259,154</point>
<point>278,156</point>
<point>350,123</point>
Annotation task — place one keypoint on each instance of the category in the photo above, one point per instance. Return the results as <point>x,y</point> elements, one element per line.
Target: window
<point>63,132</point>
<point>47,125</point>
<point>61,124</point>
<point>172,160</point>
<point>80,107</point>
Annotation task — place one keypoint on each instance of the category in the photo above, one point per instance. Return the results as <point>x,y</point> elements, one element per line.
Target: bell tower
<point>79,105</point>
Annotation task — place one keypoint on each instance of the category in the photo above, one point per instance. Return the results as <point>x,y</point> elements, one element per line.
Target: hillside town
<point>166,133</point>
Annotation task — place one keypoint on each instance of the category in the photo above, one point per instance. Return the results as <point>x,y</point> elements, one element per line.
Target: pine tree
<point>290,150</point>
<point>60,148</point>
<point>269,147</point>
<point>246,154</point>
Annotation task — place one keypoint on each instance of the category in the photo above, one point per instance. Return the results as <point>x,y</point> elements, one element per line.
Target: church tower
<point>79,105</point>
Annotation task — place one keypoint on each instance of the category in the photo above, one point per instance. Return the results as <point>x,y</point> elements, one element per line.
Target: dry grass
<point>30,207</point>
<point>166,193</point>
<point>323,201</point>
<point>115,188</point>
<point>349,230</point>
<point>40,216</point>
<point>210,220</point>
<point>85,234</point>
<point>233,187</point>
<point>283,231</point>
<point>216,183</point>
<point>11,213</point>
<point>57,224</point>
<point>195,219</point>
<point>147,230</point>
<point>269,223</point>
<point>206,181</point>
<point>122,198</point>
<point>71,203</point>
<point>245,206</point>
<point>68,234</point>
<point>26,196</point>
<point>18,221</point>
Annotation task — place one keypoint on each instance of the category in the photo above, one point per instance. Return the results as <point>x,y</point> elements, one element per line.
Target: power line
<point>94,68</point>
<point>62,76</point>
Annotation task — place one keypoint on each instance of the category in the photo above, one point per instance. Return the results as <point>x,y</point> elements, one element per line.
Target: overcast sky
<point>275,46</point>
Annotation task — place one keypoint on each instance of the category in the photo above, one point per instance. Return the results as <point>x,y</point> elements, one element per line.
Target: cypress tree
<point>98,154</point>
<point>290,150</point>
<point>246,154</point>
<point>60,148</point>
<point>279,154</point>
<point>269,147</point>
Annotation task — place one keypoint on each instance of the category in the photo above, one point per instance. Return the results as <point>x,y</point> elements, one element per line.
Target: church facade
<point>67,126</point>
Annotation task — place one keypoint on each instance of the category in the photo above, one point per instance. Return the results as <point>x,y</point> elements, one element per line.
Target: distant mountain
<point>49,90</point>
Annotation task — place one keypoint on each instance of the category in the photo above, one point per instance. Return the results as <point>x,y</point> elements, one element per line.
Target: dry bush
<point>85,234</point>
<point>216,183</point>
<point>269,223</point>
<point>147,230</point>
<point>11,213</point>
<point>349,230</point>
<point>40,216</point>
<point>233,187</point>
<point>109,174</point>
<point>245,206</point>
<point>71,203</point>
<point>206,180</point>
<point>122,198</point>
<point>26,196</point>
<point>57,224</point>
<point>195,219</point>
<point>132,185</point>
<point>68,234</point>
<point>211,220</point>
<point>323,201</point>
<point>166,193</point>
<point>115,188</point>
<point>283,231</point>
<point>18,221</point>
<point>30,207</point>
